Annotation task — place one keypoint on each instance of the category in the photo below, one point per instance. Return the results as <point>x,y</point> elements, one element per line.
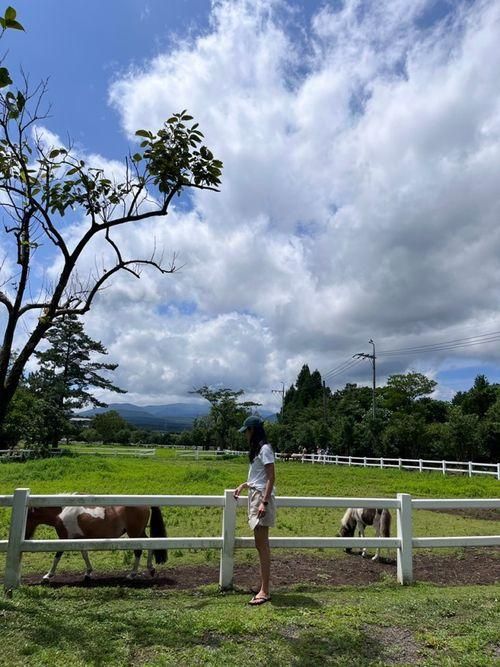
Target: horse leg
<point>47,577</point>
<point>362,534</point>
<point>135,567</point>
<point>89,571</point>
<point>376,525</point>
<point>151,568</point>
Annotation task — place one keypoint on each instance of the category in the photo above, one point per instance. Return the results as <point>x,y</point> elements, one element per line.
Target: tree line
<point>408,421</point>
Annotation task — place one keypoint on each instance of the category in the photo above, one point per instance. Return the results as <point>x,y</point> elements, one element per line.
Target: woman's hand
<point>238,490</point>
<point>262,510</point>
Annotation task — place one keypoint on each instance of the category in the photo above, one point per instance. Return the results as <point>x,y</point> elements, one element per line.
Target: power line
<point>480,339</point>
<point>342,368</point>
<point>443,346</point>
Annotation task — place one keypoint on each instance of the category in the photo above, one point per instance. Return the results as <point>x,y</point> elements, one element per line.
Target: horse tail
<point>385,523</point>
<point>157,529</point>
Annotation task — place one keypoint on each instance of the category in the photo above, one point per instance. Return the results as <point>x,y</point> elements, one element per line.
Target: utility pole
<point>364,355</point>
<point>282,392</point>
<point>324,403</point>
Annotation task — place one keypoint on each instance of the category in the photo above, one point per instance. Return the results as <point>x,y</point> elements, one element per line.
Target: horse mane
<point>349,520</point>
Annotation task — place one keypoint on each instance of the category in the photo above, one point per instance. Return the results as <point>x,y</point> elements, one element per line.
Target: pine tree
<point>67,372</point>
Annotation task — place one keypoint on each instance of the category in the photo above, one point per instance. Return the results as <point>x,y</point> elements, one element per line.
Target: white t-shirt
<point>257,477</point>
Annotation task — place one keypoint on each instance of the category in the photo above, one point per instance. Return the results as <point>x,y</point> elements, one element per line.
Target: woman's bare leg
<point>261,534</point>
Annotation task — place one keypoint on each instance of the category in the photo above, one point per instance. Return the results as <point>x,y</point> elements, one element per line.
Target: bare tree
<point>40,184</point>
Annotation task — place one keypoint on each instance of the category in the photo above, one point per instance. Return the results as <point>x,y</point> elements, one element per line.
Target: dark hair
<point>259,438</point>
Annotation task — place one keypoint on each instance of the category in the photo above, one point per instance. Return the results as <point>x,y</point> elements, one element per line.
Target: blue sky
<point>83,45</point>
<point>359,197</point>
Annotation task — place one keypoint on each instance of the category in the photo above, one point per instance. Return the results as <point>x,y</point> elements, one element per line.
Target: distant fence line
<point>404,541</point>
<point>469,468</point>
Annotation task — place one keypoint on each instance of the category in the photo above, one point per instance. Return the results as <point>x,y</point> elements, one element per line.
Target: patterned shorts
<point>254,500</point>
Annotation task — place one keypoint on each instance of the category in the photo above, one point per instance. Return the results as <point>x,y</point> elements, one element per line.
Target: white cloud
<point>359,196</point>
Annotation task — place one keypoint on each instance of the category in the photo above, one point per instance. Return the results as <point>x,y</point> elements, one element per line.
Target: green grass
<point>380,624</point>
<point>375,625</point>
<point>170,474</point>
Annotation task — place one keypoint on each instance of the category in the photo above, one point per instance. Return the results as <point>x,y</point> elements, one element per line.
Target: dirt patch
<point>472,566</point>
<point>397,646</point>
<point>481,514</point>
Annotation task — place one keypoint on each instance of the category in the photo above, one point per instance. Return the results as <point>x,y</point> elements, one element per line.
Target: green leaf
<point>72,171</point>
<point>10,13</point>
<point>21,101</point>
<point>14,25</point>
<point>5,79</point>
<point>143,133</point>
<point>54,153</point>
<point>137,157</point>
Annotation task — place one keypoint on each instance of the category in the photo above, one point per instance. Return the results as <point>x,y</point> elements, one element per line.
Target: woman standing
<point>261,504</point>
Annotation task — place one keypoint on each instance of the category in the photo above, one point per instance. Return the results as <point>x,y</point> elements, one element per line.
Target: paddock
<point>403,505</point>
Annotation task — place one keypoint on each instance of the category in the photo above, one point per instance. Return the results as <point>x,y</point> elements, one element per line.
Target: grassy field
<point>378,624</point>
<point>169,473</point>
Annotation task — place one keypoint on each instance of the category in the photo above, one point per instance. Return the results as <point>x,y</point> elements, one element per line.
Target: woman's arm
<point>271,476</point>
<point>239,489</point>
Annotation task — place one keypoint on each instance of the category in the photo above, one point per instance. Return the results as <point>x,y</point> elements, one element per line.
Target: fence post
<point>498,471</point>
<point>444,467</point>
<point>405,534</point>
<point>350,460</point>
<point>420,465</point>
<point>400,464</point>
<point>381,462</point>
<point>16,536</point>
<point>470,468</point>
<point>228,535</point>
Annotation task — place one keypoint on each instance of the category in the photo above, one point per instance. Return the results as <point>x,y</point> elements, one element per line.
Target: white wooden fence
<point>404,541</point>
<point>469,468</point>
<point>105,450</point>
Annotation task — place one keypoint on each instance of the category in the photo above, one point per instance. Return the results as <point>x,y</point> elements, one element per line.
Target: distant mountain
<point>172,417</point>
<point>178,410</point>
<point>268,416</point>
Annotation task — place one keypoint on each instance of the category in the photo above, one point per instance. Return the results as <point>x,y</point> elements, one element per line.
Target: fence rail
<point>469,468</point>
<point>404,541</point>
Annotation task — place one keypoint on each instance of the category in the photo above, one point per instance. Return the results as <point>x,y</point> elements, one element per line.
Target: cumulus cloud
<point>359,199</point>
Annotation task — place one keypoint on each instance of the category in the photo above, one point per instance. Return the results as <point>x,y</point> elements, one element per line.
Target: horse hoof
<point>375,558</point>
<point>152,572</point>
<point>132,576</point>
<point>364,555</point>
<point>45,581</point>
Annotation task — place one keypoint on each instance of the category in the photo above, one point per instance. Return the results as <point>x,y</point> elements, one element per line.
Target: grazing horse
<point>356,518</point>
<point>99,522</point>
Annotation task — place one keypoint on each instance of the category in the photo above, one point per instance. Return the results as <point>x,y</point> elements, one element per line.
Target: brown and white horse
<point>99,522</point>
<point>356,518</point>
